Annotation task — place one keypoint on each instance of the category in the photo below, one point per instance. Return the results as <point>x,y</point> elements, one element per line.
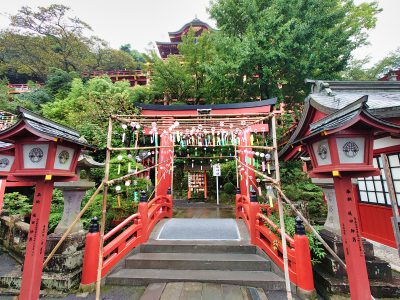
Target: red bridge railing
<point>127,235</point>
<point>265,234</point>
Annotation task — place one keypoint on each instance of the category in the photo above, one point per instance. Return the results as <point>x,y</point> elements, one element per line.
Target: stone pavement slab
<point>199,229</point>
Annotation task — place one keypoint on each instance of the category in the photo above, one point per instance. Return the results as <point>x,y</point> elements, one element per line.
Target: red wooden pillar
<point>143,210</point>
<point>254,209</point>
<point>246,157</point>
<point>164,173</point>
<point>33,264</point>
<point>237,197</point>
<point>205,185</point>
<point>3,183</point>
<point>351,237</point>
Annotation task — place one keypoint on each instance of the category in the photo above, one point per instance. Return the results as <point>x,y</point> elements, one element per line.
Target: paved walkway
<point>184,209</point>
<point>199,229</point>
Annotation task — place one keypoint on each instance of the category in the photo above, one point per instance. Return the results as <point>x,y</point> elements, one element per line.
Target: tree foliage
<point>288,41</point>
<point>357,70</point>
<point>88,106</point>
<point>46,38</point>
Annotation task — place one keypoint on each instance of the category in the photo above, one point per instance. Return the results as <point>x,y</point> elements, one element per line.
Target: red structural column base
<point>254,209</point>
<point>91,257</point>
<point>351,237</point>
<point>143,210</point>
<point>34,256</point>
<point>304,272</point>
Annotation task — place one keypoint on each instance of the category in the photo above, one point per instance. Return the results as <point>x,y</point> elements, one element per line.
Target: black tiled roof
<point>48,128</point>
<point>344,116</point>
<point>331,96</point>
<point>194,22</point>
<point>208,106</point>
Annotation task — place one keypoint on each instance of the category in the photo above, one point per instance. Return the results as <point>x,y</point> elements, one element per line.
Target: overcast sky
<point>143,22</point>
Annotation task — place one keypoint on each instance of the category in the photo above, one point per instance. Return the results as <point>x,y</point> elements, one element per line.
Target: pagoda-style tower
<point>171,48</point>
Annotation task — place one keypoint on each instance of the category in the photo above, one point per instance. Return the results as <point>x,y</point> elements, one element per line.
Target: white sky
<point>140,22</point>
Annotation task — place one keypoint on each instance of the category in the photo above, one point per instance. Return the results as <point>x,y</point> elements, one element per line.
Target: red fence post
<point>237,197</point>
<point>305,280</point>
<point>254,209</point>
<point>170,199</point>
<point>91,257</point>
<point>143,210</point>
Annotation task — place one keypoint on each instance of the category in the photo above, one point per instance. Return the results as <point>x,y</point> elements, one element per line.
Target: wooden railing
<point>265,234</point>
<point>18,88</point>
<point>123,238</point>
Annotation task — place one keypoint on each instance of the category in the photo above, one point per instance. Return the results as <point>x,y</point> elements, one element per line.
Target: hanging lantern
<point>119,157</point>
<point>271,196</point>
<point>268,159</point>
<point>124,126</point>
<point>258,186</point>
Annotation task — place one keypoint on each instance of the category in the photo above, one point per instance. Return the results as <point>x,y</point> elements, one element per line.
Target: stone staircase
<point>213,262</point>
<point>228,262</point>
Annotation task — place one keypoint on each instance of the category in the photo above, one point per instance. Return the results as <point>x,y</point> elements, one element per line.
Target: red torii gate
<point>171,113</point>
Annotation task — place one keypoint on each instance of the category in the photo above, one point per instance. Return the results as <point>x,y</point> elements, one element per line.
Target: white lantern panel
<point>351,150</point>
<point>6,162</point>
<point>35,156</point>
<point>322,153</point>
<point>64,156</point>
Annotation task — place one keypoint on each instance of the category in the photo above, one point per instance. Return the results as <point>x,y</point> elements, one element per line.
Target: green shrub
<point>17,204</point>
<point>316,248</point>
<point>229,188</point>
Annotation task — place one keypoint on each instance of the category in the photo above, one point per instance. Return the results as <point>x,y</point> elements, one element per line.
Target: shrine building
<point>171,47</point>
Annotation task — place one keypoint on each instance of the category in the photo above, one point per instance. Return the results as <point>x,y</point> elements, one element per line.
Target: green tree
<point>288,41</point>
<point>357,69</point>
<point>88,106</point>
<point>170,79</point>
<point>67,34</point>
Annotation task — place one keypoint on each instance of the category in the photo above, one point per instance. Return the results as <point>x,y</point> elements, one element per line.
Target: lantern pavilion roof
<point>42,127</point>
<point>328,97</point>
<point>348,116</point>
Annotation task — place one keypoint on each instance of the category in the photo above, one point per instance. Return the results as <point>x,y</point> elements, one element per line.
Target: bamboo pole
<point>280,208</point>
<point>179,146</point>
<point>314,231</point>
<point>78,217</point>
<point>103,216</point>
<point>122,178</point>
<point>136,148</point>
<point>237,169</point>
<point>257,172</point>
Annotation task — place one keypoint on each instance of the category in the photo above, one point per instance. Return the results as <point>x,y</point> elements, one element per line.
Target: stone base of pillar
<point>330,277</point>
<point>68,257</point>
<point>62,273</point>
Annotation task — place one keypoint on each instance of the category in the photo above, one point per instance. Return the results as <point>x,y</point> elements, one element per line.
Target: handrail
<point>127,235</point>
<point>265,234</point>
<point>120,226</point>
<point>276,228</point>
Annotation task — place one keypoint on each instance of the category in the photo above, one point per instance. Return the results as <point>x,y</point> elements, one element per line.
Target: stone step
<point>199,247</point>
<point>266,280</point>
<point>201,291</point>
<point>198,261</point>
